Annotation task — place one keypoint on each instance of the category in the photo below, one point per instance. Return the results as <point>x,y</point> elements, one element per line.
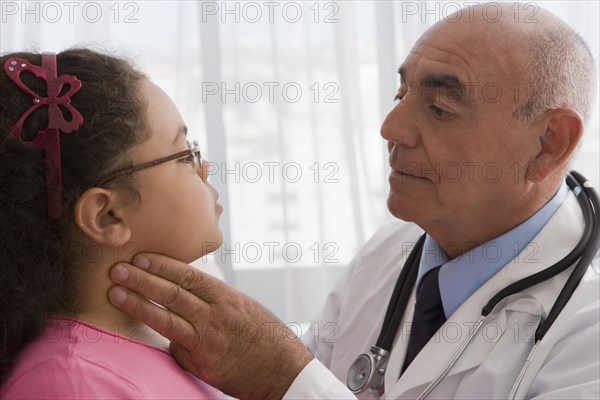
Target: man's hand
<point>217,333</point>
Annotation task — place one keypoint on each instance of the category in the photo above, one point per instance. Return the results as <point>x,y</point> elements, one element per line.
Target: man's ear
<point>561,130</point>
<point>99,217</point>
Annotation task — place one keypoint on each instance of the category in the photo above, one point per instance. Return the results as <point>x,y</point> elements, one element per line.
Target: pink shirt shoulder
<point>75,360</point>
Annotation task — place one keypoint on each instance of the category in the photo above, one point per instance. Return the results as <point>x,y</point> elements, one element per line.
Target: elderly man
<point>489,115</point>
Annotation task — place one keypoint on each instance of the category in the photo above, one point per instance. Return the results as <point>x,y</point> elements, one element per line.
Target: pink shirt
<point>76,360</point>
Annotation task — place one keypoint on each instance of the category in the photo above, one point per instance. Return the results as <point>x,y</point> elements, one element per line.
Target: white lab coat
<point>565,366</point>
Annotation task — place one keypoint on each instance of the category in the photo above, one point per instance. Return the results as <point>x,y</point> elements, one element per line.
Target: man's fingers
<point>183,357</point>
<point>203,285</point>
<point>165,322</point>
<point>159,290</point>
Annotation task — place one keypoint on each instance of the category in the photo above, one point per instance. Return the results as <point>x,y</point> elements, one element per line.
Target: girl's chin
<point>204,249</point>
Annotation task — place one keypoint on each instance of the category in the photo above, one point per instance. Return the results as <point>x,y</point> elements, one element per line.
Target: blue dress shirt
<point>461,277</point>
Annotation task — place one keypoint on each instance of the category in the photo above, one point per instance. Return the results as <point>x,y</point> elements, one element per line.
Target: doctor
<point>488,119</point>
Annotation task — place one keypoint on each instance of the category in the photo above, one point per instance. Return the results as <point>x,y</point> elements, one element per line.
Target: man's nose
<point>401,126</point>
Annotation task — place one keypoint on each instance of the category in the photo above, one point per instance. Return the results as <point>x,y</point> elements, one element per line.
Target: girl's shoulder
<point>48,370</point>
<point>74,359</point>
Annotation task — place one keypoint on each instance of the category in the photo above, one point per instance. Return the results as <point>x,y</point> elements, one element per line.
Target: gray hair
<point>560,72</point>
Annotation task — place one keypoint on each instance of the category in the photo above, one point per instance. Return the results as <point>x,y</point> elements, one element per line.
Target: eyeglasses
<point>193,155</point>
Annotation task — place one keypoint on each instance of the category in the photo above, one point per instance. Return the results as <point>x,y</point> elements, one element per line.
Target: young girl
<point>94,167</point>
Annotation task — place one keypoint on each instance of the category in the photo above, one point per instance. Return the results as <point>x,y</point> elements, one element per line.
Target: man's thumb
<point>183,357</point>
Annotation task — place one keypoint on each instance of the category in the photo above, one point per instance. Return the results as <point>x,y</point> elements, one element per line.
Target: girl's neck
<point>122,325</point>
<point>93,305</point>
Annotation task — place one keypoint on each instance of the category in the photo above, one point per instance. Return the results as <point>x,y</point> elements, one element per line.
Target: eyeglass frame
<point>195,151</point>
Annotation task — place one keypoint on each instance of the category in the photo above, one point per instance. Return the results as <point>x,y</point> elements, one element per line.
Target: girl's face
<point>178,214</point>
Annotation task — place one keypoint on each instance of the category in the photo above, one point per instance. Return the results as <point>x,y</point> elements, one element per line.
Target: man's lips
<point>406,173</point>
<point>403,172</point>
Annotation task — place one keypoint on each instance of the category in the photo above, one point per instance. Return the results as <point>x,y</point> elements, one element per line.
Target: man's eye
<point>438,112</point>
<point>400,95</point>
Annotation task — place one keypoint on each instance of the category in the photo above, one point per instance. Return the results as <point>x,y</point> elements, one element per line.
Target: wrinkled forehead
<point>482,50</point>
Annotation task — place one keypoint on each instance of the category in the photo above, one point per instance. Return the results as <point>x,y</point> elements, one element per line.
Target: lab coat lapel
<point>400,345</point>
<point>555,241</point>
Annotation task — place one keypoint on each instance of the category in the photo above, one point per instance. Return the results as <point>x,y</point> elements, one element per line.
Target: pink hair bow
<point>48,139</point>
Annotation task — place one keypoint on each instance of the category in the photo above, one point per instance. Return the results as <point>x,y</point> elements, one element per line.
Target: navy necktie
<point>429,315</point>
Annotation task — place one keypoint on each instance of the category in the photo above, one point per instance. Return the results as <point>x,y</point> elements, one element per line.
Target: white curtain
<point>286,99</point>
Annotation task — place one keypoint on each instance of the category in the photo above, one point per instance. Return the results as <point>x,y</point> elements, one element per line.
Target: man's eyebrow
<point>402,73</point>
<point>181,131</point>
<point>453,87</point>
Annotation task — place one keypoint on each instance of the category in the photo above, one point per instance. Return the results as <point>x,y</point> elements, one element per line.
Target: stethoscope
<point>368,369</point>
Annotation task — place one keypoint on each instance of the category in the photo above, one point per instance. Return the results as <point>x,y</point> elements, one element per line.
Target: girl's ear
<point>99,216</point>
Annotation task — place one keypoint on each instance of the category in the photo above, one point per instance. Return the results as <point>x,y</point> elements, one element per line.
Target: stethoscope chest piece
<point>368,371</point>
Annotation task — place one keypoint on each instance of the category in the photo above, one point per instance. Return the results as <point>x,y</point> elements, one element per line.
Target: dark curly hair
<point>37,262</point>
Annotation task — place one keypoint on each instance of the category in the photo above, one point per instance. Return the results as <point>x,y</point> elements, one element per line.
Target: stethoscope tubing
<point>578,184</point>
<point>583,253</point>
<point>401,295</point>
<point>589,205</point>
<point>452,361</point>
<point>517,384</point>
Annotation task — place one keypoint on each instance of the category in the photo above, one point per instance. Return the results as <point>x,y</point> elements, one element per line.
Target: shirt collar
<point>461,277</point>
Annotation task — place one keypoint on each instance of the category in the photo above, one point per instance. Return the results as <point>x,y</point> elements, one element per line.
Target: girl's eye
<point>188,159</point>
<point>398,97</point>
